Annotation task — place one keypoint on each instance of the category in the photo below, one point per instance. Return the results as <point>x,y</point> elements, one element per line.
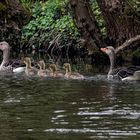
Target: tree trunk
<point>12,17</point>
<point>121,20</point>
<point>86,24</point>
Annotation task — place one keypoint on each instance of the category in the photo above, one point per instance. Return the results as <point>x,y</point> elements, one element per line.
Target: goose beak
<point>103,49</point>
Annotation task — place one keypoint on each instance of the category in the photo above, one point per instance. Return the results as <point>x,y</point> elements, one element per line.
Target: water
<point>60,109</point>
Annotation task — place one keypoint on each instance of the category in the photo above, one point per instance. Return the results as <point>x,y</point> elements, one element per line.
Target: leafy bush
<point>98,17</point>
<point>49,19</point>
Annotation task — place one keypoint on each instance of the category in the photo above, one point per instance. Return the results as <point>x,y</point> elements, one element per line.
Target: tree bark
<point>12,17</point>
<point>121,21</point>
<point>86,24</point>
<point>13,14</point>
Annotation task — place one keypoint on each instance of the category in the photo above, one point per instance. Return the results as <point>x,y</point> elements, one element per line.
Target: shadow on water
<point>60,109</point>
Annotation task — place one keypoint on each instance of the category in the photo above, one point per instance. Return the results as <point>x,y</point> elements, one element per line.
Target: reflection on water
<point>43,109</point>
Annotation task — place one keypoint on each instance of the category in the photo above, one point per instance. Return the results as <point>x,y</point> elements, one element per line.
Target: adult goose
<point>9,66</point>
<point>124,73</point>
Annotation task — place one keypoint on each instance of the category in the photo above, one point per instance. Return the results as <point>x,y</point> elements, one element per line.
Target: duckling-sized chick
<point>54,72</point>
<point>69,74</point>
<point>42,72</point>
<point>29,70</point>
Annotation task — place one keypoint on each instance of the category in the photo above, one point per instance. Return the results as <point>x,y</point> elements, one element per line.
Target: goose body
<point>19,70</point>
<point>54,72</point>
<point>69,74</point>
<point>42,72</point>
<point>9,66</point>
<point>29,70</point>
<point>119,73</point>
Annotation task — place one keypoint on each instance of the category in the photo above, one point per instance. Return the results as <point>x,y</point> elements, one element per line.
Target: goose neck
<point>112,63</point>
<point>5,57</point>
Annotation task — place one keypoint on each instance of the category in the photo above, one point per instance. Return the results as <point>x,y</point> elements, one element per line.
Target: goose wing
<point>14,63</point>
<point>126,71</point>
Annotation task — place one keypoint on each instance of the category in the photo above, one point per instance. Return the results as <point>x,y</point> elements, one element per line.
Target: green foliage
<point>98,16</point>
<point>136,53</point>
<point>49,19</point>
<point>132,8</point>
<point>134,4</point>
<point>27,4</point>
<point>2,7</point>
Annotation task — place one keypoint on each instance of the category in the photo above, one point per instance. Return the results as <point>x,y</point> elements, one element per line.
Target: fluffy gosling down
<point>71,75</point>
<point>29,69</point>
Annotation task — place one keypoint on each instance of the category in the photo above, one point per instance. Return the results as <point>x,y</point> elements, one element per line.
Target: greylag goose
<point>29,70</point>
<point>54,72</point>
<point>71,75</point>
<point>9,65</point>
<point>42,72</point>
<point>124,73</point>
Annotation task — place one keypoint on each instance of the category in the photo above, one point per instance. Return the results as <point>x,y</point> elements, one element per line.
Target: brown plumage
<point>43,72</point>
<point>71,75</point>
<point>54,72</point>
<point>29,70</point>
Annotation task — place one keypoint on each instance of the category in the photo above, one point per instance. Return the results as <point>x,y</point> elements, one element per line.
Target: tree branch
<point>127,43</point>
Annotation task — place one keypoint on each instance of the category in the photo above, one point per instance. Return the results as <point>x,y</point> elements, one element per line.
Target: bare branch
<point>127,43</point>
<point>53,41</point>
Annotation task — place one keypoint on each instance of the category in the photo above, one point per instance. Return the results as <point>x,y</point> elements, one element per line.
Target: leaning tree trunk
<point>86,24</point>
<point>122,22</point>
<point>12,17</point>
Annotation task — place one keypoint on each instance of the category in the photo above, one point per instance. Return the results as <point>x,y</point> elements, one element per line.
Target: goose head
<point>109,50</point>
<point>27,61</point>
<point>67,67</point>
<point>4,46</point>
<point>53,68</point>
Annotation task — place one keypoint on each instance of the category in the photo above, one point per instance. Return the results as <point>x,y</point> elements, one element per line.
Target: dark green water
<point>59,109</point>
